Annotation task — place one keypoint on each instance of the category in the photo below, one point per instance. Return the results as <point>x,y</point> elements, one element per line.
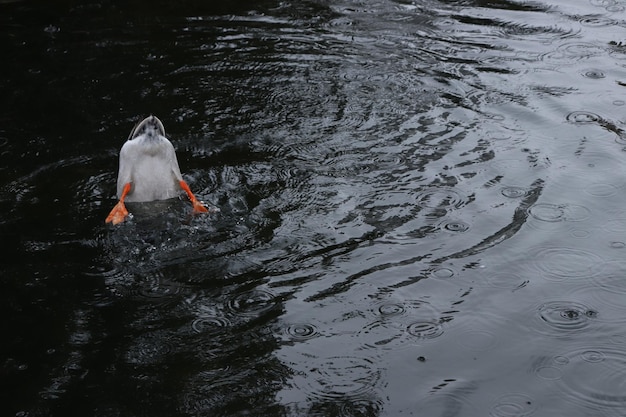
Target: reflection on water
<point>420,202</point>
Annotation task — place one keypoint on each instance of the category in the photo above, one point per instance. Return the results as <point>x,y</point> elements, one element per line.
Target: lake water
<point>422,209</point>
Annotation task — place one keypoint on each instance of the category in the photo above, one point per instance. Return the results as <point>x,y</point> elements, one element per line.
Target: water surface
<point>421,209</point>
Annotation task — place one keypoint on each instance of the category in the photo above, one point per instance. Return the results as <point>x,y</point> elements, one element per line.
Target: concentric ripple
<point>611,279</point>
<point>596,376</point>
<point>593,74</point>
<point>454,226</point>
<point>209,390</point>
<point>549,373</point>
<point>583,117</point>
<point>210,324</point>
<point>513,405</point>
<point>301,331</point>
<point>441,198</point>
<point>390,309</point>
<point>615,225</point>
<point>597,21</point>
<point>398,324</point>
<point>574,51</point>
<point>342,377</point>
<point>443,405</point>
<point>156,287</point>
<point>398,311</point>
<point>478,340</point>
<point>506,281</point>
<point>425,329</point>
<point>149,349</point>
<point>442,272</point>
<point>601,189</point>
<point>559,212</point>
<point>564,317</point>
<point>561,263</point>
<point>252,303</point>
<point>514,192</point>
<point>588,162</point>
<point>360,407</point>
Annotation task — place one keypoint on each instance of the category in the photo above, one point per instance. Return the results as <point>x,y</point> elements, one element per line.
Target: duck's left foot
<point>118,214</point>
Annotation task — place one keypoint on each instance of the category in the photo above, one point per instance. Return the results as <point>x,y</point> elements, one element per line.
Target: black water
<point>422,209</point>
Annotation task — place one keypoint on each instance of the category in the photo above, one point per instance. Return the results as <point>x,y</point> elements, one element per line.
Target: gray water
<point>421,209</point>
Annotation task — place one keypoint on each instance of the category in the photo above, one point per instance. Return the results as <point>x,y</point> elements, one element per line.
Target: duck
<point>149,171</point>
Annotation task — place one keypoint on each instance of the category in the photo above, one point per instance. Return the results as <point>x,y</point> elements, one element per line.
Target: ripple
<point>559,264</point>
<point>252,303</point>
<point>580,233</point>
<point>564,316</point>
<point>507,168</point>
<point>583,117</point>
<point>594,376</point>
<point>615,8</point>
<point>514,192</point>
<point>155,287</point>
<point>506,281</point>
<point>448,404</point>
<point>425,329</point>
<point>617,225</point>
<point>601,189</point>
<point>478,340</point>
<point>611,278</point>
<point>116,280</point>
<point>597,161</point>
<point>397,324</point>
<point>209,390</point>
<point>149,349</point>
<point>382,335</point>
<point>442,272</point>
<point>441,198</point>
<point>549,373</point>
<point>574,51</point>
<point>559,212</point>
<point>597,21</point>
<point>210,324</point>
<point>360,407</point>
<point>602,3</point>
<point>390,309</point>
<point>341,378</point>
<point>454,226</point>
<point>547,212</point>
<point>611,302</point>
<point>513,405</point>
<point>409,308</point>
<point>301,331</point>
<point>594,74</point>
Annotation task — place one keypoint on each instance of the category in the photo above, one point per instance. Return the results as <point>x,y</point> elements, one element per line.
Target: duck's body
<point>148,170</point>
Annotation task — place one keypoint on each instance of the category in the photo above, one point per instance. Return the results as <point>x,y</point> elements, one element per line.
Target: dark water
<point>422,209</point>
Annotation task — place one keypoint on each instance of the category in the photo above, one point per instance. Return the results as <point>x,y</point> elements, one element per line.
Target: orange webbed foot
<point>118,214</point>
<point>199,207</point>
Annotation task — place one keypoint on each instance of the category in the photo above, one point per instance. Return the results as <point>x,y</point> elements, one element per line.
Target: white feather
<point>148,161</point>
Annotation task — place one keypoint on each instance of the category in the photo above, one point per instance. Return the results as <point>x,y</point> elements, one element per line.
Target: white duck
<point>149,170</point>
